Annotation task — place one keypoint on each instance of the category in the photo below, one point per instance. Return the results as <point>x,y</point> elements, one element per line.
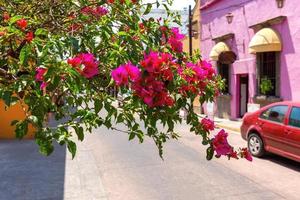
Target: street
<point>107,166</point>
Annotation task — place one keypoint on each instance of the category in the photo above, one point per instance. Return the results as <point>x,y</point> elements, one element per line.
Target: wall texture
<point>245,14</point>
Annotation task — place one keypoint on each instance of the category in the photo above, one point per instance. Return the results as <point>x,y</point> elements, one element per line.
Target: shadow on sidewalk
<point>25,174</point>
<point>291,164</point>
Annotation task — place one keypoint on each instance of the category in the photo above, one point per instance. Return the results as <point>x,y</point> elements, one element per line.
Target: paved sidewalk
<point>232,125</point>
<point>27,175</point>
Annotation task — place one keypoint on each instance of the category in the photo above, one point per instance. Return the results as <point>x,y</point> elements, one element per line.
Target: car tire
<point>256,145</point>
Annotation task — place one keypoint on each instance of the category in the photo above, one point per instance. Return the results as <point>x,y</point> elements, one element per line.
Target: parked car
<point>274,128</point>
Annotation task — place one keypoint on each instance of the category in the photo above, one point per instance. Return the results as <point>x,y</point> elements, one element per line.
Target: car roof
<point>289,103</point>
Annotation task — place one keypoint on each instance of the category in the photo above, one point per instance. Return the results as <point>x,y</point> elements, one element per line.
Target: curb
<point>222,125</point>
<point>228,127</point>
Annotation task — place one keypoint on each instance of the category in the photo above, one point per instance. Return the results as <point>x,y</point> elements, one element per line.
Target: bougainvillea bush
<point>61,57</point>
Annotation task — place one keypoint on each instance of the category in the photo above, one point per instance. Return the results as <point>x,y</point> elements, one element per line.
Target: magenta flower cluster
<point>124,73</point>
<point>196,77</point>
<point>98,11</point>
<point>175,40</point>
<point>149,85</point>
<point>86,64</point>
<point>222,147</point>
<point>207,124</point>
<point>40,73</point>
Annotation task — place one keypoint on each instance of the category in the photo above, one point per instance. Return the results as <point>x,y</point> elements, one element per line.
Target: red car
<point>274,128</point>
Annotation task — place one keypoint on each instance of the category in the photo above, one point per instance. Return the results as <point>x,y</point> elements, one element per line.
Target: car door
<point>272,124</point>
<point>292,132</point>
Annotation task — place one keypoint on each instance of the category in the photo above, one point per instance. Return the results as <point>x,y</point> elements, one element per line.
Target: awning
<point>217,49</point>
<point>265,40</point>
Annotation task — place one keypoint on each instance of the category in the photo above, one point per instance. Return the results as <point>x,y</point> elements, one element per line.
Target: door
<point>272,123</point>
<point>292,132</point>
<point>243,95</point>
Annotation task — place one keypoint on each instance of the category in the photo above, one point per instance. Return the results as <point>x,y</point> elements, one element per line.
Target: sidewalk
<point>232,125</point>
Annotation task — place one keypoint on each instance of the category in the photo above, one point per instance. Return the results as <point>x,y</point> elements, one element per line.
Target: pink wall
<point>247,13</point>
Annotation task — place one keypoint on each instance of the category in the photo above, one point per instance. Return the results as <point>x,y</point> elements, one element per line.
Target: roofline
<point>208,4</point>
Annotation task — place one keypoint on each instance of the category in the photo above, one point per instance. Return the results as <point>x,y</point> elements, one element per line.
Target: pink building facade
<point>252,43</point>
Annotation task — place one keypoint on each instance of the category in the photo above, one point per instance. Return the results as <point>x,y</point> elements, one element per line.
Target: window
<point>223,70</point>
<point>267,72</point>
<point>275,113</point>
<point>295,117</point>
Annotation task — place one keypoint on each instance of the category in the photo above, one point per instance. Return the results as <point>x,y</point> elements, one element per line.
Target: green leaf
<point>15,19</point>
<point>98,105</point>
<point>72,148</point>
<point>24,54</point>
<point>21,129</point>
<point>41,31</point>
<point>140,135</point>
<point>7,97</point>
<point>131,136</point>
<point>79,132</point>
<point>148,8</point>
<point>209,153</point>
<point>122,33</point>
<point>120,118</point>
<point>46,148</point>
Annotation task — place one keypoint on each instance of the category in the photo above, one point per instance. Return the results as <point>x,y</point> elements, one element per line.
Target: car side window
<point>275,113</point>
<point>295,117</point>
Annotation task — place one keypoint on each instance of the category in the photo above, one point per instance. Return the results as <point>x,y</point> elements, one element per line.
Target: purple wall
<point>246,13</point>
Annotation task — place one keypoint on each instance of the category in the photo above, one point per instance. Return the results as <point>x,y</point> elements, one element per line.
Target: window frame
<point>289,117</point>
<point>259,76</point>
<point>267,119</point>
<point>221,66</point>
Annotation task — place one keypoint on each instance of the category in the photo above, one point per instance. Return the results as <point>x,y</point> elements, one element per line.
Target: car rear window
<point>275,113</point>
<point>295,117</point>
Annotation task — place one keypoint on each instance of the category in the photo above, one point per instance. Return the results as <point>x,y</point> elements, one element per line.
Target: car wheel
<point>256,145</point>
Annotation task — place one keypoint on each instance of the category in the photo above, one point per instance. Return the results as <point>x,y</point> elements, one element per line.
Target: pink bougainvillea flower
<point>101,11</point>
<point>88,60</point>
<point>208,67</point>
<point>175,40</point>
<point>207,124</point>
<point>86,64</point>
<point>120,76</point>
<point>87,10</point>
<point>75,62</point>
<point>167,75</point>
<point>233,154</point>
<point>152,87</point>
<point>43,85</point>
<point>90,72</point>
<point>22,23</point>
<point>220,144</point>
<point>29,36</point>
<point>133,71</point>
<point>40,72</point>
<point>126,72</point>
<point>169,101</point>
<point>246,154</point>
<point>97,12</point>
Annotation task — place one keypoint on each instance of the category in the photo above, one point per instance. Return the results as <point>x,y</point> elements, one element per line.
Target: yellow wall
<point>7,115</point>
<point>196,26</point>
<point>195,41</point>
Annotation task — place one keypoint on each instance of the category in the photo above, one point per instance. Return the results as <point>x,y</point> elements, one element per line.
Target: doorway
<point>243,94</point>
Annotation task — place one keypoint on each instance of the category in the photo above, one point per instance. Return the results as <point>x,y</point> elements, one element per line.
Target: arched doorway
<point>223,57</point>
